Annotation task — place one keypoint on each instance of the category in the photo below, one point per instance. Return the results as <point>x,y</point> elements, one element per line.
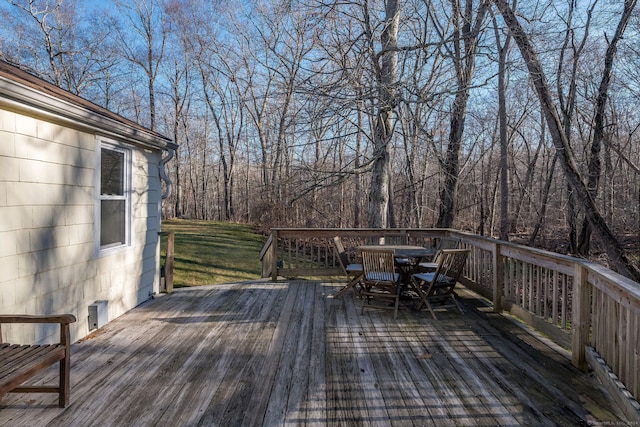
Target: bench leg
<point>64,390</point>
<point>64,386</point>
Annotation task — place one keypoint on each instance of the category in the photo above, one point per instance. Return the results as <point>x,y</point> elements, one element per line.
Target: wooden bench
<point>18,363</point>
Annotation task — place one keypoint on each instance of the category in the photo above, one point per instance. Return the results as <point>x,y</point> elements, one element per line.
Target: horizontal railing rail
<point>582,306</point>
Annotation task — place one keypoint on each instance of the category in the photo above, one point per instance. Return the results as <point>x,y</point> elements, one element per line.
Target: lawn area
<point>208,252</point>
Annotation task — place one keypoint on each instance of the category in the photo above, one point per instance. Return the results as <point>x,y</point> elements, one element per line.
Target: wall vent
<point>98,315</point>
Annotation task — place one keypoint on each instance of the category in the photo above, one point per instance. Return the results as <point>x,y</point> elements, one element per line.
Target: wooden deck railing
<point>166,270</point>
<point>582,306</point>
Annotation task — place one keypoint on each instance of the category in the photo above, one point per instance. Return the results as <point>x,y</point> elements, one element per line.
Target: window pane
<point>112,172</point>
<point>112,225</point>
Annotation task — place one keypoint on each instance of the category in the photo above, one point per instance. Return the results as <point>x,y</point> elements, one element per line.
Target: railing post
<point>581,318</point>
<point>274,255</point>
<point>497,278</point>
<point>166,271</point>
<point>168,263</point>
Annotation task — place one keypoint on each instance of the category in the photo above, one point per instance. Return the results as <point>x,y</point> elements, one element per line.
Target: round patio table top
<point>407,251</point>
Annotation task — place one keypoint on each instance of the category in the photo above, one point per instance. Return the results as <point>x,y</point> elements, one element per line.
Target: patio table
<point>403,251</point>
<point>407,257</point>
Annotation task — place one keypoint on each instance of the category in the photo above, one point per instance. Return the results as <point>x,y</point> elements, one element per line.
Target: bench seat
<point>19,363</point>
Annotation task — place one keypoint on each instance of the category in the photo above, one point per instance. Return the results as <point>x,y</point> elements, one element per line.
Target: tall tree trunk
<point>572,214</point>
<point>465,44</point>
<point>609,241</point>
<point>146,19</point>
<point>482,196</point>
<point>176,137</point>
<point>568,104</point>
<point>178,210</point>
<point>544,202</point>
<point>387,76</point>
<point>595,167</point>
<point>410,142</point>
<point>503,51</point>
<point>452,163</point>
<point>358,186</point>
<point>179,99</point>
<point>391,217</point>
<point>528,178</point>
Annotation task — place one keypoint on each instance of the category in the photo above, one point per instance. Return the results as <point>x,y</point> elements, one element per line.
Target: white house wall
<point>47,250</point>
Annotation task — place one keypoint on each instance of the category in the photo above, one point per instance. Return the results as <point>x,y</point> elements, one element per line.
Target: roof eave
<point>21,97</point>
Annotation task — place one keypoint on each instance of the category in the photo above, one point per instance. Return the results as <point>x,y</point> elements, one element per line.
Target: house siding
<point>47,249</point>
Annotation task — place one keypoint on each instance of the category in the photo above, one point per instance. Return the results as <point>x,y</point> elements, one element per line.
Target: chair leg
<point>416,287</point>
<point>357,285</point>
<point>433,313</point>
<point>423,300</point>
<point>364,297</point>
<point>353,283</point>
<point>395,310</point>
<point>456,303</point>
<point>386,302</point>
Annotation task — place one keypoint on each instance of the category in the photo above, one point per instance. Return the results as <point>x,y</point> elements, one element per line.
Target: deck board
<point>284,354</point>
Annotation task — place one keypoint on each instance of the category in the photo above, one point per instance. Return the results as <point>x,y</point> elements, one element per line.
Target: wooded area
<point>515,120</point>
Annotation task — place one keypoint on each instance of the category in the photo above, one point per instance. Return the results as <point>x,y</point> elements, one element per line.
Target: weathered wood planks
<point>284,354</point>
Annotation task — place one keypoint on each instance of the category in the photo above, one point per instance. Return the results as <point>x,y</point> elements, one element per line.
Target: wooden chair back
<point>380,280</point>
<point>438,287</point>
<point>450,265</point>
<point>445,243</point>
<point>396,238</point>
<point>342,255</point>
<point>448,243</point>
<point>353,272</point>
<point>379,265</point>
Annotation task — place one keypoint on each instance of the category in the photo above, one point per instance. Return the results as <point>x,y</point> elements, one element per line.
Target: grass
<point>208,252</point>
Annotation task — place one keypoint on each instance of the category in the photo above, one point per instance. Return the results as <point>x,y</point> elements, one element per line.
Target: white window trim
<point>127,150</point>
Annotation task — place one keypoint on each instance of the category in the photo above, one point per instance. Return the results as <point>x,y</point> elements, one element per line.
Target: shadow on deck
<point>283,353</point>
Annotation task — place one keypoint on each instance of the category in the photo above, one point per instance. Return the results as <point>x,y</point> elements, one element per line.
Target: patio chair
<point>444,243</point>
<point>438,287</point>
<point>381,281</point>
<point>396,238</point>
<point>352,271</point>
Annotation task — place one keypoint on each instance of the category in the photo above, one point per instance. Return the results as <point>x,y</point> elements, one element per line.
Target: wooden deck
<point>284,354</point>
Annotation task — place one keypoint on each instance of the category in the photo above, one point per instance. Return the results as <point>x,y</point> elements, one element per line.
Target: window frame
<point>127,190</point>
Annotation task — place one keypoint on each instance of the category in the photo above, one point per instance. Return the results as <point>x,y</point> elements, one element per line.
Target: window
<point>114,201</point>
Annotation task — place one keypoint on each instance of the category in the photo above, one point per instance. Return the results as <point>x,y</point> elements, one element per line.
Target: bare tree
<point>466,33</point>
<point>145,20</point>
<point>595,167</point>
<point>386,63</point>
<point>178,77</point>
<point>52,40</point>
<point>571,53</point>
<point>341,97</point>
<point>560,140</point>
<point>503,51</point>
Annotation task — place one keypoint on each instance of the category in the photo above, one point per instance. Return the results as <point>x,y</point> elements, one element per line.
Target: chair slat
<point>380,280</point>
